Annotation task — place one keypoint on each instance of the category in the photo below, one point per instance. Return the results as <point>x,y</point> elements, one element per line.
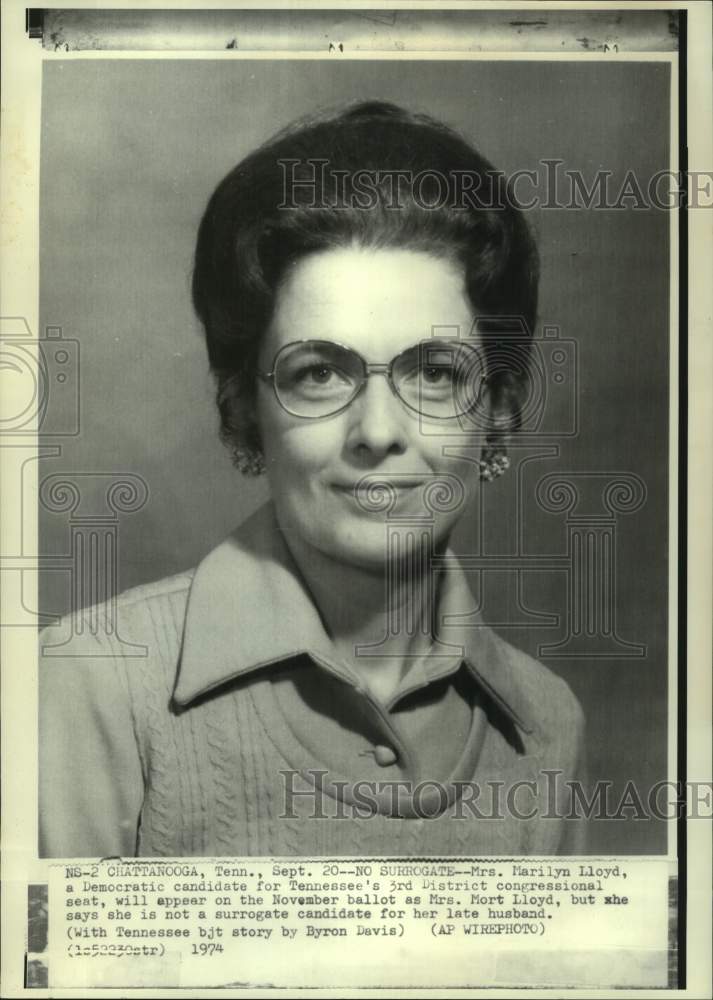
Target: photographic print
<point>357,438</point>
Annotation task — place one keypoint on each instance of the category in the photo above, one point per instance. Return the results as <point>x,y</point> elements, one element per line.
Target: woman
<point>320,685</point>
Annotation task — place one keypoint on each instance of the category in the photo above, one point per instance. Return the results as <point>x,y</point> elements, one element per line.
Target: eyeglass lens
<point>439,379</point>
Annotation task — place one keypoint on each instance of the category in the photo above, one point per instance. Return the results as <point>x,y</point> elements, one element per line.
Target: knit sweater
<point>207,714</point>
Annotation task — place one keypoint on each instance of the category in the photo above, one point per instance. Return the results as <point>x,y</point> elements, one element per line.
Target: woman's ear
<point>494,459</point>
<point>239,427</point>
<point>501,408</point>
<point>501,411</point>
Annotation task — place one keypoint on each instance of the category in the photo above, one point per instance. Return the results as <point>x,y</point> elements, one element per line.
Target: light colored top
<point>211,716</point>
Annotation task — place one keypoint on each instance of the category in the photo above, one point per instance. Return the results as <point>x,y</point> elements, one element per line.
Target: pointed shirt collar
<point>248,607</point>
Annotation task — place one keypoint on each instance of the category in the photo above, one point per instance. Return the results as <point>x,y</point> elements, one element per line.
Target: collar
<point>248,607</point>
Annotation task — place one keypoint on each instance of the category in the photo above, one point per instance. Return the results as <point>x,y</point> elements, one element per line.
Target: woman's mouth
<point>373,485</point>
<point>375,495</point>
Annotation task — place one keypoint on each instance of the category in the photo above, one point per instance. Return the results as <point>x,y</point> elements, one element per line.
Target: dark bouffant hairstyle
<point>374,175</point>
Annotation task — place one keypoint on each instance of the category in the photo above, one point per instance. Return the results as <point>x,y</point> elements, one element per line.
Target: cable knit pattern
<point>220,731</point>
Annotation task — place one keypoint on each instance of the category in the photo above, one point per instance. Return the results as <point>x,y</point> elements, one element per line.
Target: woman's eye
<point>435,375</point>
<point>319,376</point>
<point>320,373</point>
<point>431,375</point>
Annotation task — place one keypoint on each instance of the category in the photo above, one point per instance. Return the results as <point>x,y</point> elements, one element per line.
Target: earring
<point>248,463</point>
<point>493,463</point>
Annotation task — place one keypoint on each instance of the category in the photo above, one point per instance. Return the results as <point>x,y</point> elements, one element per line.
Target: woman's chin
<point>377,546</point>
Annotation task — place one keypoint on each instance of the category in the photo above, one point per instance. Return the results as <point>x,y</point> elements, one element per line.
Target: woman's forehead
<point>376,301</point>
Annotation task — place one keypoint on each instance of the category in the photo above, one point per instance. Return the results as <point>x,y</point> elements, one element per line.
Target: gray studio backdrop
<point>131,151</point>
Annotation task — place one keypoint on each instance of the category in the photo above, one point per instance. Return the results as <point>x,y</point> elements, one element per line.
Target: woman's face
<point>377,302</point>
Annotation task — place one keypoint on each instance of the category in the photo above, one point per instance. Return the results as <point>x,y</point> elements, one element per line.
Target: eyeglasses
<point>440,379</point>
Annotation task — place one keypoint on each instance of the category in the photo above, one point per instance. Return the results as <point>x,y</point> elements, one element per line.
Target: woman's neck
<point>379,620</point>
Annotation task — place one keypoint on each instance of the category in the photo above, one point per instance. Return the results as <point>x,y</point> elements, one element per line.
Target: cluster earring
<point>248,463</point>
<point>493,463</point>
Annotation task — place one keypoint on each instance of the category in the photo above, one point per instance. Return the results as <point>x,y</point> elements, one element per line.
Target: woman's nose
<point>377,420</point>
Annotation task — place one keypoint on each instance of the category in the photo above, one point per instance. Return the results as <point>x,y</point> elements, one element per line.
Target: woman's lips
<point>373,486</point>
<point>377,497</point>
